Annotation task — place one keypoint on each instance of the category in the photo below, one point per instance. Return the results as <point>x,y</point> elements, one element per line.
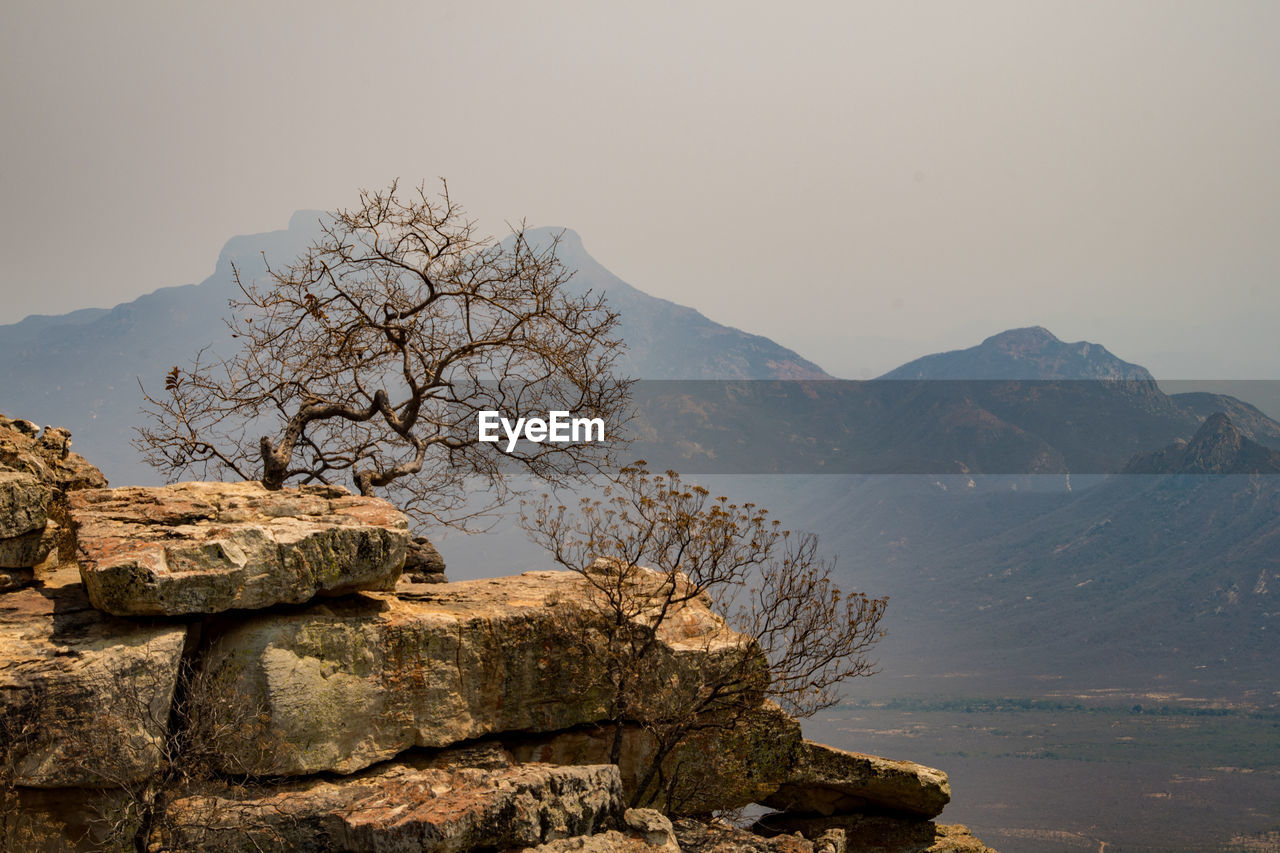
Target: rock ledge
<point>199,548</point>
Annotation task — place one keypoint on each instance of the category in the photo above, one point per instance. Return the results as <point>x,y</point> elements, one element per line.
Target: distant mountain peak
<point>1218,447</point>
<point>1022,343</point>
<point>1216,431</point>
<point>1032,352</point>
<point>1027,335</point>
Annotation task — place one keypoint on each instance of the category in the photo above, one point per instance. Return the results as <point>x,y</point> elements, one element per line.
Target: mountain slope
<point>1029,353</point>
<point>1248,419</point>
<point>1218,447</point>
<point>1170,573</point>
<point>666,340</point>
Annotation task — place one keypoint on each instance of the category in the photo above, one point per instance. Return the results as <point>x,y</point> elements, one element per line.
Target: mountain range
<point>988,501</point>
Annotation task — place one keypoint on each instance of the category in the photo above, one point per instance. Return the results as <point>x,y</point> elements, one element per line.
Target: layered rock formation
<point>826,781</point>
<point>459,799</point>
<point>37,470</point>
<point>86,696</point>
<point>219,666</point>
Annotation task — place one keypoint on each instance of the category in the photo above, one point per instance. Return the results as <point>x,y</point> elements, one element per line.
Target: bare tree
<point>655,543</point>
<point>369,359</point>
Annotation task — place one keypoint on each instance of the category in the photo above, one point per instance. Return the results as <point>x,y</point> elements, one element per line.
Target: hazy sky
<point>864,182</point>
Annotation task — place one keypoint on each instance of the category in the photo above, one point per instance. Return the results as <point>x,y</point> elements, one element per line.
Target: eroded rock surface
<point>460,800</point>
<point>350,682</point>
<point>36,471</point>
<point>719,767</point>
<point>199,548</point>
<point>84,697</point>
<point>46,455</point>
<point>24,502</point>
<point>826,781</point>
<point>644,831</point>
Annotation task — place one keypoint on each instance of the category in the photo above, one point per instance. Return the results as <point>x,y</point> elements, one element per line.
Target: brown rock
<point>84,697</point>
<point>826,780</point>
<point>714,769</point>
<point>48,457</point>
<point>24,502</point>
<point>877,833</point>
<point>350,682</point>
<point>209,547</point>
<point>696,836</point>
<point>48,461</point>
<point>30,549</point>
<point>423,563</point>
<point>439,803</point>
<point>645,831</point>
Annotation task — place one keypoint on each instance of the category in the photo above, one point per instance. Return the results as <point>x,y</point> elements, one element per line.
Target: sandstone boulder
<point>84,697</point>
<point>199,548</point>
<point>718,767</point>
<point>350,682</point>
<point>826,781</point>
<point>24,503</point>
<point>447,802</point>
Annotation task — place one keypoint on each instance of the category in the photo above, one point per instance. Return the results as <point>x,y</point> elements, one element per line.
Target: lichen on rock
<point>200,548</point>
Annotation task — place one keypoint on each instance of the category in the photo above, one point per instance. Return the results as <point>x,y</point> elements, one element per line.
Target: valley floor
<point>1112,773</point>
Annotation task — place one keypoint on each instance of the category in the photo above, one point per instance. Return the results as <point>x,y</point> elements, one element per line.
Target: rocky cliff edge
<point>212,666</point>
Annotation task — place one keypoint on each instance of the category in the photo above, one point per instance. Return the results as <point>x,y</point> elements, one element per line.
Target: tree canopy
<point>367,360</point>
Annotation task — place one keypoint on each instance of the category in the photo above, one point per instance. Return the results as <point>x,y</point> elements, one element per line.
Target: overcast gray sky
<point>864,182</point>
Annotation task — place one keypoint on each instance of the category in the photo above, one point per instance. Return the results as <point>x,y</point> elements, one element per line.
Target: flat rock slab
<point>438,804</point>
<point>84,697</point>
<point>826,781</point>
<point>345,683</point>
<point>200,548</point>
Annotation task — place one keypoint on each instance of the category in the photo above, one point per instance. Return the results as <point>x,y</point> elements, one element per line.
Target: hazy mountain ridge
<point>1032,352</point>
<point>1251,422</point>
<point>1218,447</point>
<point>82,369</point>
